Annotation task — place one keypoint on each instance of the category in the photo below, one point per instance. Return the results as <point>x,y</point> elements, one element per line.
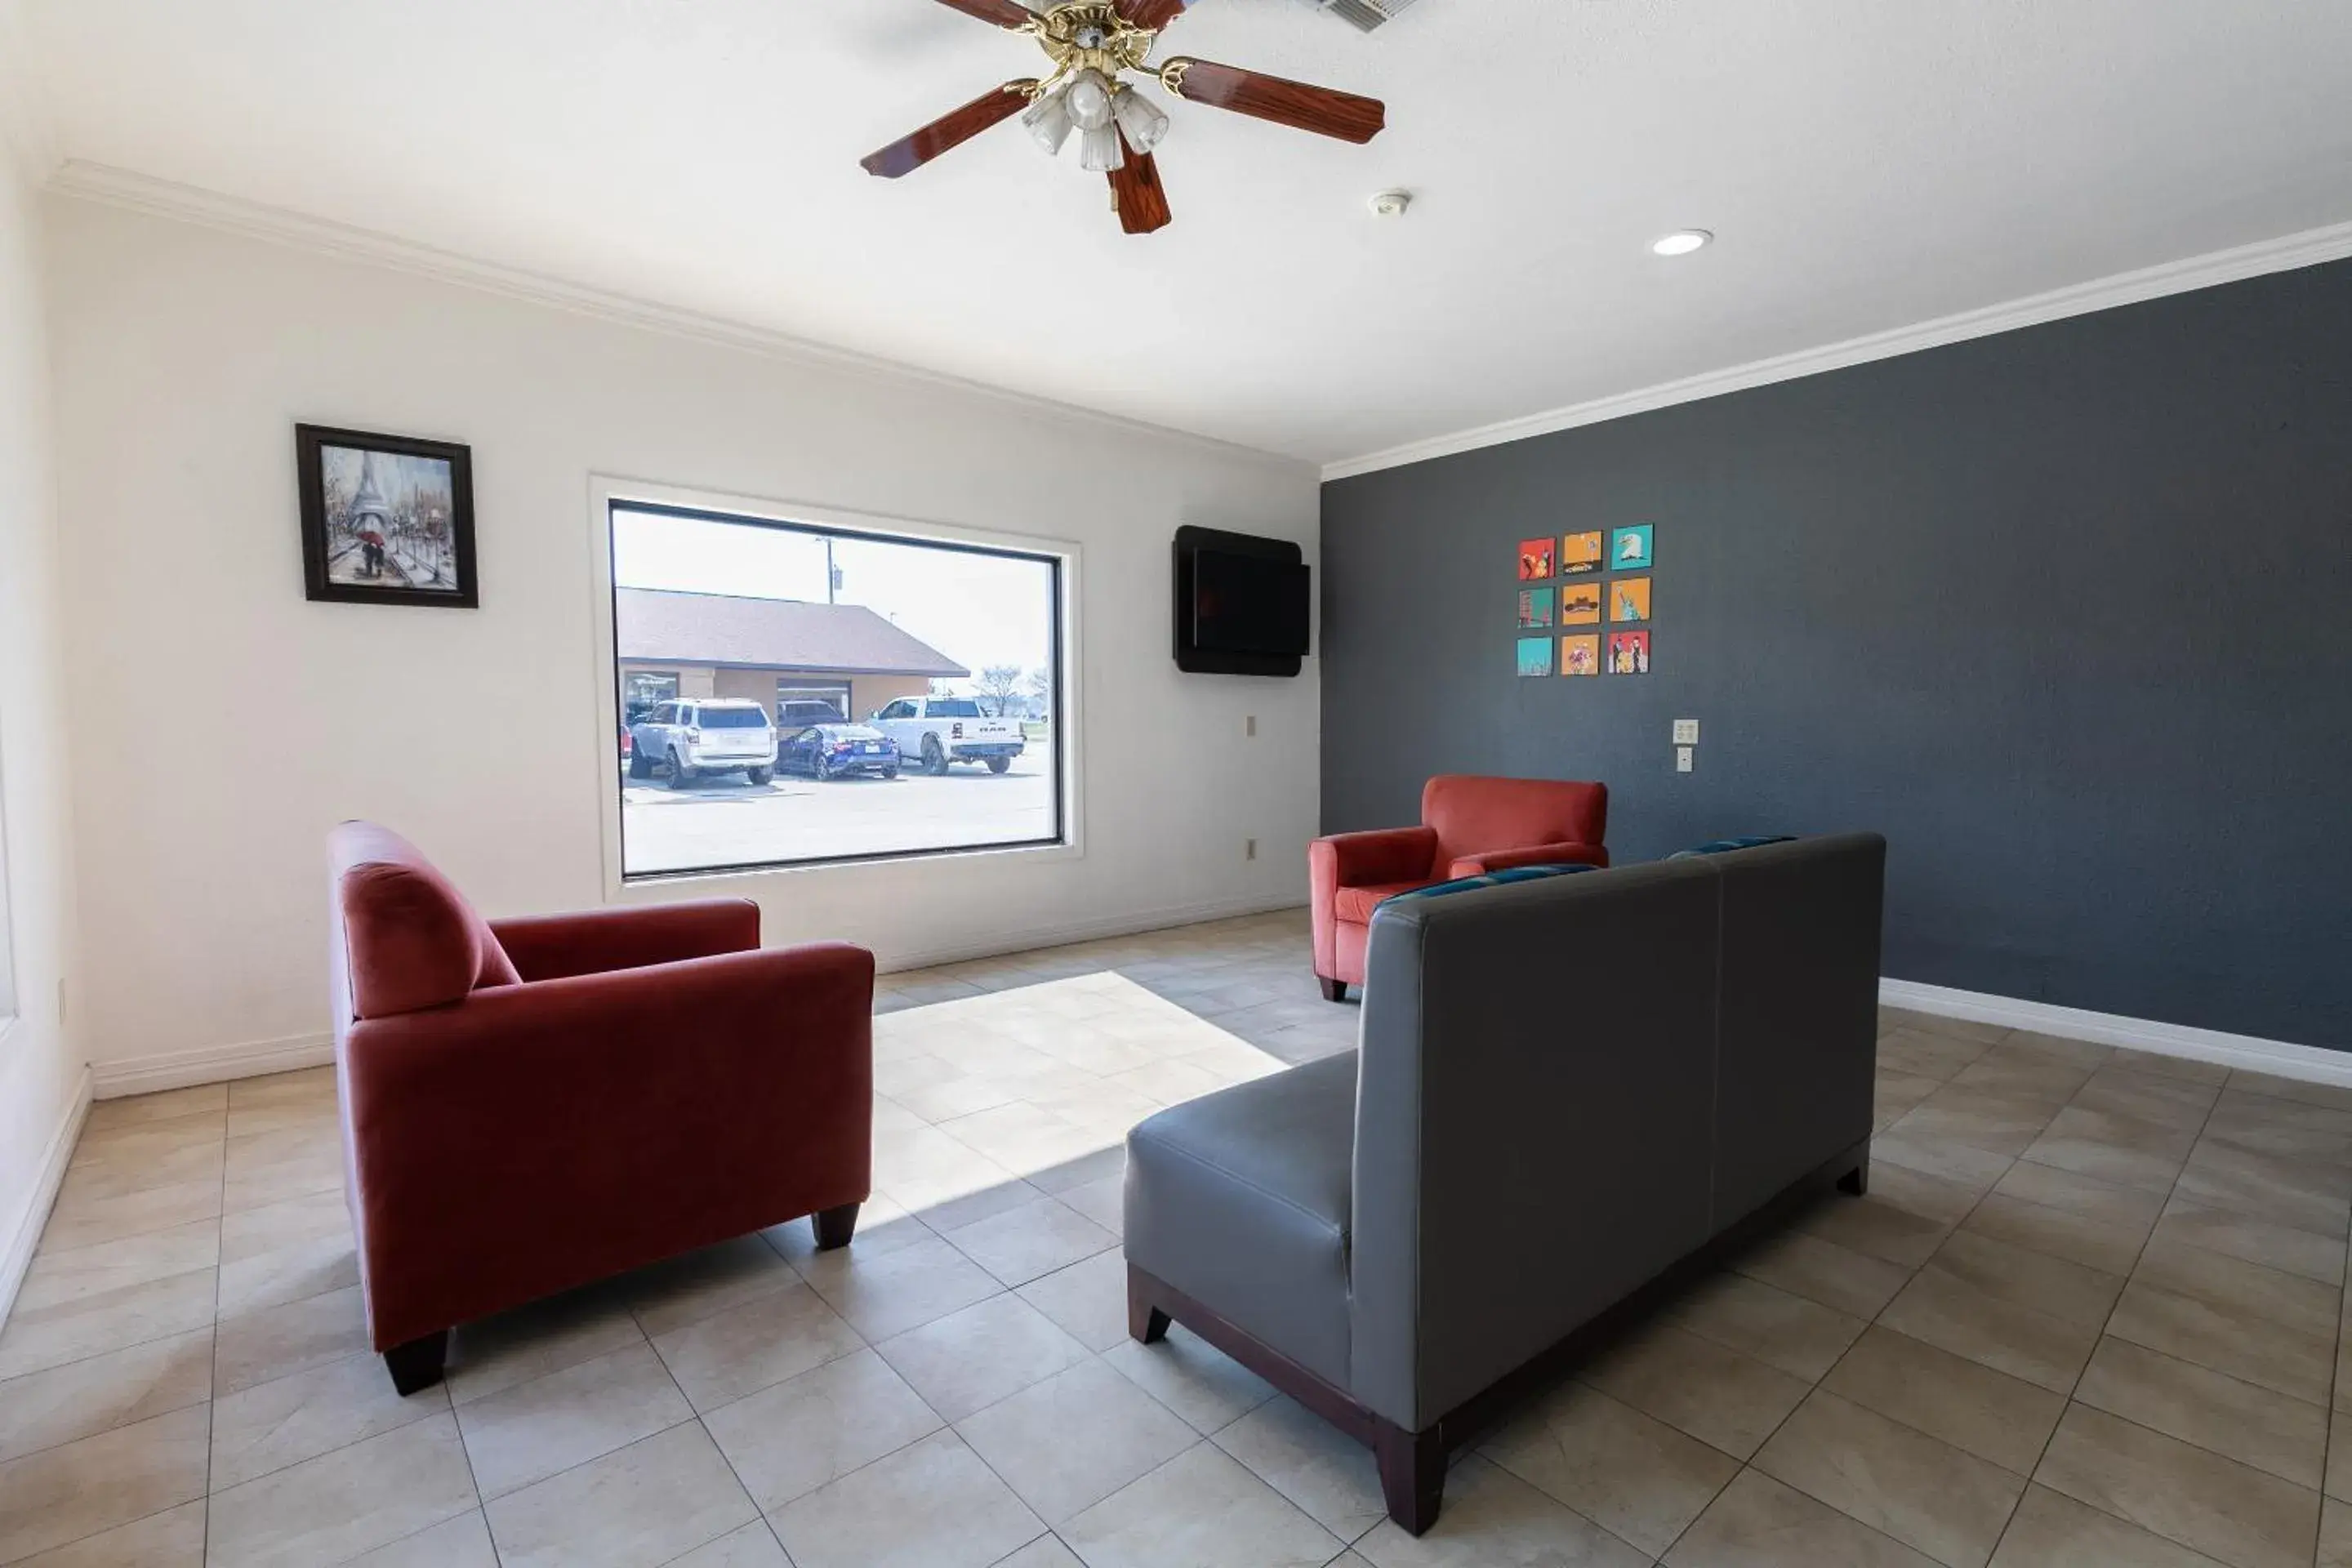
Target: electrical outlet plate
<point>1249,850</point>
<point>1685,732</point>
<point>1683,759</point>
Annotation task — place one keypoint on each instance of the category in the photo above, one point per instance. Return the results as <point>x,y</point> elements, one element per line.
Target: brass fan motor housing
<point>1089,35</point>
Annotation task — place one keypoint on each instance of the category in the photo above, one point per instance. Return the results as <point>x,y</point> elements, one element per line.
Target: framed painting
<point>1633,549</point>
<point>1535,608</point>
<point>1579,655</point>
<point>386,520</point>
<point>1629,652</point>
<point>1535,655</point>
<point>1535,560</point>
<point>1581,553</point>
<point>1580,604</point>
<point>1629,599</point>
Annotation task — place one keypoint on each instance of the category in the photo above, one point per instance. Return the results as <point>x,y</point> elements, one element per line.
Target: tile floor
<point>2091,1314</point>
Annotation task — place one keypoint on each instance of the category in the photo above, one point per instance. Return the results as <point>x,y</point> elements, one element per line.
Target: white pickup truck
<point>934,732</point>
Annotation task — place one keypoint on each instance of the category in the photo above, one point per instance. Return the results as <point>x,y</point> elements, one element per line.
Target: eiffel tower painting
<point>386,519</point>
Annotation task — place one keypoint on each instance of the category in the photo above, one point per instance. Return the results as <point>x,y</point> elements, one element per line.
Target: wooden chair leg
<point>1413,1476</point>
<point>418,1364</point>
<point>1146,1324</point>
<point>835,1227</point>
<point>1333,990</point>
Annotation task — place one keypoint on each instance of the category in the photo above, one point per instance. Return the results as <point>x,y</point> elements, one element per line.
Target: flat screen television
<point>1243,603</point>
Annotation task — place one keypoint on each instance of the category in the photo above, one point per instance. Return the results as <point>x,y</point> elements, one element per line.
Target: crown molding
<point>109,187</point>
<point>2284,253</point>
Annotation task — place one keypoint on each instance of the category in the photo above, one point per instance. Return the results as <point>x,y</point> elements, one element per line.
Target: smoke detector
<point>1391,203</point>
<point>1366,15</point>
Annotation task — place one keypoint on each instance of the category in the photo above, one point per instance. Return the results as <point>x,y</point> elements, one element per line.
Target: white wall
<point>42,1089</point>
<point>223,724</point>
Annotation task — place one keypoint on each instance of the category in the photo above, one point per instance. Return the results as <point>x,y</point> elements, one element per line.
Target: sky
<point>979,610</point>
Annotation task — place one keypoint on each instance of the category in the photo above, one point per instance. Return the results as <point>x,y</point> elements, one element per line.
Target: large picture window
<point>794,693</point>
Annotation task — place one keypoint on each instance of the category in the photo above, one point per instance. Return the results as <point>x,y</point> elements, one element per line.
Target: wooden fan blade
<point>1151,15</point>
<point>950,130</point>
<point>1003,12</point>
<point>1137,192</point>
<point>1321,109</point>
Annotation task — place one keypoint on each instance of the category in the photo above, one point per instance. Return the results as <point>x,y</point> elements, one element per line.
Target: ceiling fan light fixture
<point>1144,122</point>
<point>1089,99</point>
<point>1101,149</point>
<point>1682,242</point>
<point>1048,121</point>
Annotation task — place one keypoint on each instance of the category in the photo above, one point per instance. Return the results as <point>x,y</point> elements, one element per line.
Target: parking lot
<point>728,822</point>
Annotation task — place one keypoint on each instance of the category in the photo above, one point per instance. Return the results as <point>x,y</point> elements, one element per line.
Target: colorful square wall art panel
<point>1535,608</point>
<point>1580,604</point>
<point>1580,656</point>
<point>1629,652</point>
<point>1535,655</point>
<point>1535,560</point>
<point>1633,549</point>
<point>1629,599</point>
<point>1581,553</point>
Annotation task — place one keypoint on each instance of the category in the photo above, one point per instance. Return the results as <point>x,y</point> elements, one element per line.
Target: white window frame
<point>605,491</point>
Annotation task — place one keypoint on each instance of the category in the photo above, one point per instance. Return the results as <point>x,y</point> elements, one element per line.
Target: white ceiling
<point>1868,164</point>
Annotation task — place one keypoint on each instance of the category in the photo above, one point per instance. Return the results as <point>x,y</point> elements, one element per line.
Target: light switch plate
<point>1685,733</point>
<point>1683,759</point>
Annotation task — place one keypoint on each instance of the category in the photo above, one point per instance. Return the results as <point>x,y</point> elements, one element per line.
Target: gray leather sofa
<point>1568,1094</point>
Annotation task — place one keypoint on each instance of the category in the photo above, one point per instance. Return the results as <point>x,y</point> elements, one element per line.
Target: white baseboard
<point>2311,1063</point>
<point>1033,939</point>
<point>211,1064</point>
<point>18,1257</point>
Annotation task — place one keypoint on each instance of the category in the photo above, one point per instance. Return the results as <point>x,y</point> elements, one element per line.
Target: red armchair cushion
<point>1535,854</point>
<point>1476,814</point>
<point>411,940</point>
<point>1357,904</point>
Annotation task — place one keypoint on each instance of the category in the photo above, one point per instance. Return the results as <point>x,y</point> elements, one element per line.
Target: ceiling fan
<point>1092,44</point>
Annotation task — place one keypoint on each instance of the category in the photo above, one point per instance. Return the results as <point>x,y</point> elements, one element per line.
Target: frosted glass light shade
<point>1089,96</point>
<point>1048,120</point>
<point>1145,122</point>
<point>1100,150</point>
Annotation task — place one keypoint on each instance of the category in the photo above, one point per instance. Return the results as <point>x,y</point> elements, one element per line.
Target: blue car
<point>837,751</point>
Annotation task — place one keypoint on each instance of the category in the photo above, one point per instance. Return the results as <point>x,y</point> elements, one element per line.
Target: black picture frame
<point>327,575</point>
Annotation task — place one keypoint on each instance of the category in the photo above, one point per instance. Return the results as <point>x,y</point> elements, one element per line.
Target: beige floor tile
<point>744,1349</point>
<point>1875,1228</point>
<point>2169,1067</point>
<point>1032,1240</point>
<point>1998,1120</point>
<point>903,1289</point>
<point>2097,1243</point>
<point>2053,1530</point>
<point>534,1430</point>
<point>346,1502</point>
<point>1067,1443</point>
<point>1086,1300</point>
<point>2258,1426</point>
<point>1637,1477</point>
<point>2026,1075</point>
<point>2225,1340</point>
<point>1838,1277</point>
<point>649,1502</point>
<point>1199,1508</point>
<point>270,1167</point>
<point>170,1105</point>
<point>1956,1163</point>
<point>1047,1552</point>
<point>91,1180</point>
<point>684,1289</point>
<point>2110,1148</point>
<point>127,1150</point>
<point>1802,1337</point>
<point>1890,1019</point>
<point>1103,1201</point>
<point>2214,1505</point>
<point>173,1539</point>
<point>1896,1092</point>
<point>38,1338</point>
<point>1759,1523</point>
<point>2338,1477</point>
<point>1710,1391</point>
<point>62,1279</point>
<point>932,1504</point>
<point>1900,1481</point>
<point>83,1219</point>
<point>83,1398</point>
<point>752,1546</point>
<point>1491,1518</point>
<point>1199,1383</point>
<point>2294,1302</point>
<point>290,1274</point>
<point>786,1441</point>
<point>1999,1418</point>
<point>2336,1535</point>
<point>2081,1053</point>
<point>272,1227</point>
<point>304,1086</point>
<point>2253,1240</point>
<point>1928,1196</point>
<point>1949,1312</point>
<point>2067,1290</point>
<point>971,1359</point>
<point>278,1341</point>
<point>2334,1096</point>
<point>2172,1103</point>
<point>884,1224</point>
<point>460,1542</point>
<point>268,1428</point>
<point>1332,1479</point>
<point>2054,1187</point>
<point>1936,1056</point>
<point>2281,1192</point>
<point>60,1495</point>
<point>533,1341</point>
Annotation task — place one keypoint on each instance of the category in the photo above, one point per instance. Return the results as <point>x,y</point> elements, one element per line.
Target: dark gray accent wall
<point>2065,613</point>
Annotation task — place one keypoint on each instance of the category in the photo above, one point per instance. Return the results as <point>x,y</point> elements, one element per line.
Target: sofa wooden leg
<point>416,1365</point>
<point>1413,1476</point>
<point>1146,1324</point>
<point>1333,990</point>
<point>835,1227</point>
<point>1856,1181</point>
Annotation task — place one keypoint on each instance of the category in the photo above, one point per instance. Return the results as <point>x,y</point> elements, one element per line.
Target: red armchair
<point>529,1105</point>
<point>1469,827</point>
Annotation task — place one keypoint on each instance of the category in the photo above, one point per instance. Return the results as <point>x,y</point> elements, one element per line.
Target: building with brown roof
<point>799,658</point>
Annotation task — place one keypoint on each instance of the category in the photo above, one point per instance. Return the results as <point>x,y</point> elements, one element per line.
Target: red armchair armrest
<point>1384,855</point>
<point>1536,855</point>
<point>536,1137</point>
<point>595,941</point>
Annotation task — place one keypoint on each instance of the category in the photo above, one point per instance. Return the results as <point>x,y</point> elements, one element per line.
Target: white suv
<point>693,736</point>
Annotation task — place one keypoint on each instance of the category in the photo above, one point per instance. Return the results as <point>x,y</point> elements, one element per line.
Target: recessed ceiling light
<point>1682,242</point>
